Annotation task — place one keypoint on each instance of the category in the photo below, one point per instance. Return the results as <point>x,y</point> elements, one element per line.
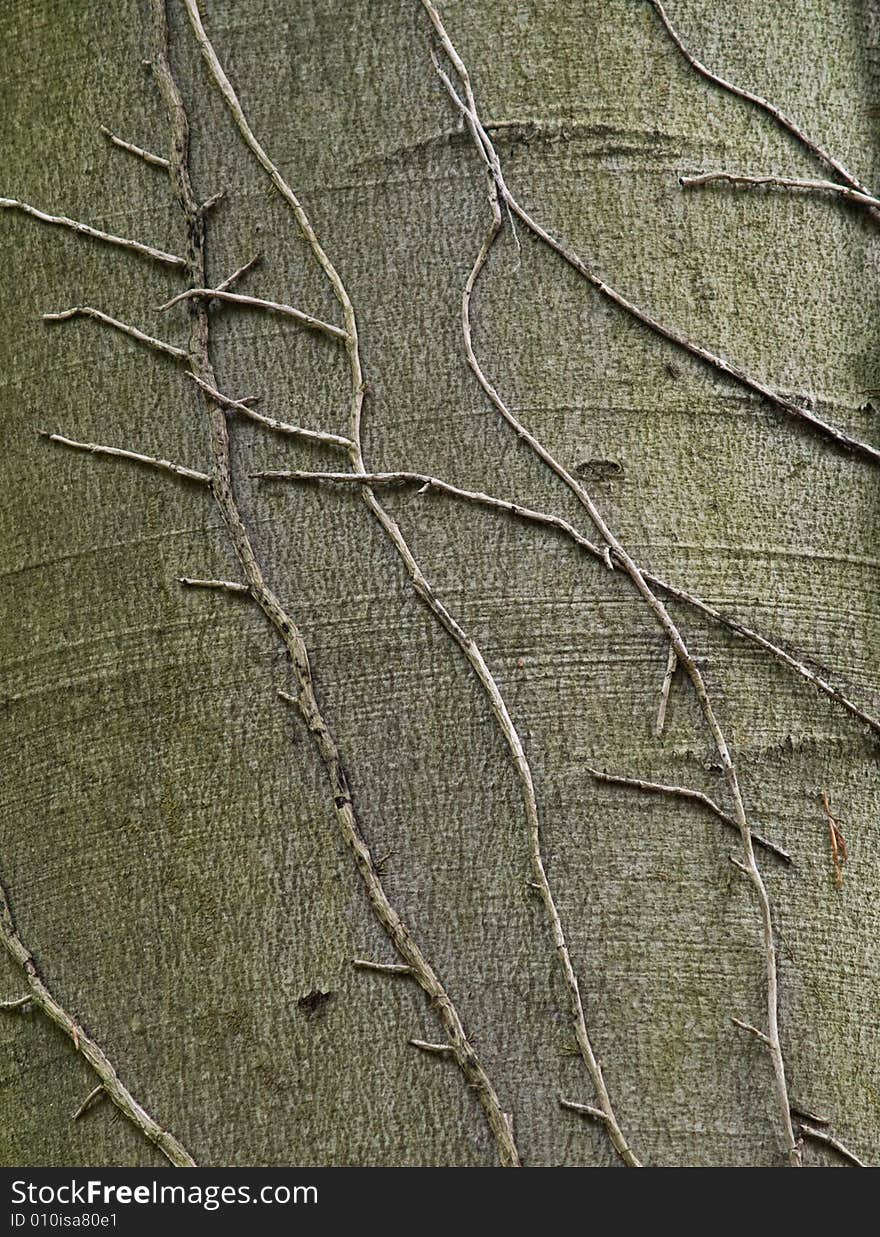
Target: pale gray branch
<point>159,255</point>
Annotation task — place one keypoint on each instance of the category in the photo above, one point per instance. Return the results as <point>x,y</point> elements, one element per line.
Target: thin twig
<point>828,1140</point>
<point>804,1114</point>
<point>280,427</point>
<point>442,1050</point>
<point>238,274</point>
<point>85,1045</point>
<point>384,968</point>
<point>90,1099</point>
<point>159,255</point>
<point>693,796</point>
<point>147,156</point>
<point>87,311</point>
<point>671,664</point>
<point>19,1003</point>
<point>763,105</point>
<point>189,474</point>
<point>256,302</point>
<point>781,182</point>
<point>839,850</point>
<point>228,586</point>
<point>584,1110</point>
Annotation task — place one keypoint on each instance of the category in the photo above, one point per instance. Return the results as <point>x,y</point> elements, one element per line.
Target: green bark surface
<point>166,830</point>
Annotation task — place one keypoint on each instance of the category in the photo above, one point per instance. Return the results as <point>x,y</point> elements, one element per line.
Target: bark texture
<point>168,837</point>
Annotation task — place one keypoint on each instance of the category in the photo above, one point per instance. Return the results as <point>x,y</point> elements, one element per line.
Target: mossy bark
<point>168,839</point>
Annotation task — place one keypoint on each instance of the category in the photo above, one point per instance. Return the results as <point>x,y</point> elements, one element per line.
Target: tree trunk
<point>194,863</point>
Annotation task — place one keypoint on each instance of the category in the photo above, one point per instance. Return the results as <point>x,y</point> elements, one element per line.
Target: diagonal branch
<point>256,302</point>
<point>770,109</point>
<point>280,427</point>
<point>159,255</point>
<point>87,311</point>
<point>693,796</point>
<point>152,461</point>
<point>40,995</point>
<point>147,155</point>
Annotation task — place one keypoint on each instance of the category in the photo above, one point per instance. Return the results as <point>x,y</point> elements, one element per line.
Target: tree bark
<point>174,852</point>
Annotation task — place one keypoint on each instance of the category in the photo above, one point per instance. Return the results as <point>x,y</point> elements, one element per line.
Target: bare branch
<point>671,664</point>
<point>8,1007</point>
<point>828,1140</point>
<point>280,427</point>
<point>228,586</point>
<point>763,105</point>
<point>169,259</point>
<point>384,968</point>
<point>147,156</point>
<point>306,700</point>
<point>87,311</point>
<point>238,274</point>
<point>780,182</point>
<point>693,796</point>
<point>584,1110</point>
<point>255,302</point>
<point>84,1044</point>
<point>178,470</point>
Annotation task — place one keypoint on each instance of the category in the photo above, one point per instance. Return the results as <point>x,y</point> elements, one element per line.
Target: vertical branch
<point>422,586</point>
<point>224,494</point>
<point>500,193</point>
